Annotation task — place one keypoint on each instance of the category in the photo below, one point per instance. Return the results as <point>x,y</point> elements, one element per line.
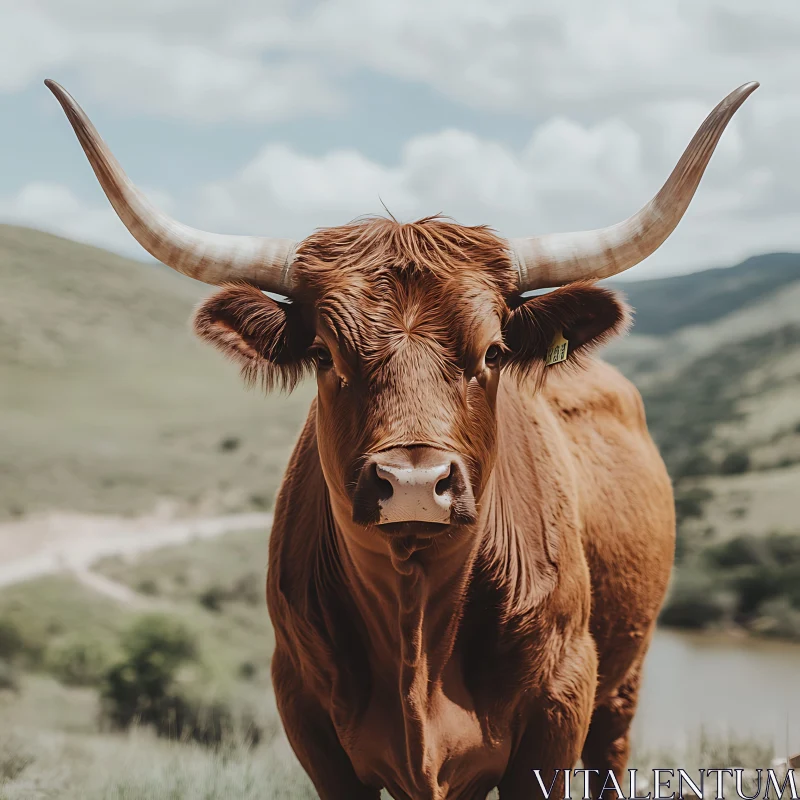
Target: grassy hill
<point>716,356</point>
<point>108,403</point>
<point>723,393</point>
<point>666,304</point>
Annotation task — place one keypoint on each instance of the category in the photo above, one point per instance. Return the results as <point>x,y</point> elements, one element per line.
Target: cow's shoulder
<point>300,513</point>
<point>313,617</point>
<point>595,392</point>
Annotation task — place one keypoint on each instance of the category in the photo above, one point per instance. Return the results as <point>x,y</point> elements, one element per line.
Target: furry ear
<point>586,314</point>
<point>269,340</point>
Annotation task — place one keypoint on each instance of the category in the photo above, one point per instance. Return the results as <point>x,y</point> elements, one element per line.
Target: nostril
<point>445,484</point>
<point>383,487</point>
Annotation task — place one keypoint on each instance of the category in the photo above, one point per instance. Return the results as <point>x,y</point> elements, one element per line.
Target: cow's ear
<point>269,340</point>
<point>586,315</point>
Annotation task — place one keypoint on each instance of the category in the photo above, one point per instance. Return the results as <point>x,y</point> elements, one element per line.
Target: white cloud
<point>556,55</point>
<point>176,60</point>
<point>55,208</point>
<point>29,43</point>
<point>244,59</point>
<point>568,177</point>
<point>616,90</point>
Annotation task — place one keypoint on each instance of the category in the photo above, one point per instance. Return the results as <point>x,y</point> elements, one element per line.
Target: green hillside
<point>666,304</point>
<point>108,403</point>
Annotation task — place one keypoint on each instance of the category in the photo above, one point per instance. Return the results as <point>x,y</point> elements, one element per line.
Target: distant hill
<point>62,303</point>
<point>716,355</point>
<point>107,401</point>
<point>664,305</point>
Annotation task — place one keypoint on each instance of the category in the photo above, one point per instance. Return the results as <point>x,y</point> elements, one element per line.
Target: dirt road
<point>73,542</point>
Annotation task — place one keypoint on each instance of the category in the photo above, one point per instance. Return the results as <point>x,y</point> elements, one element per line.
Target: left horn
<point>208,257</point>
<point>559,258</point>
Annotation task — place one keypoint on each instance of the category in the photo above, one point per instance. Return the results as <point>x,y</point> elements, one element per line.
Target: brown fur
<point>441,666</point>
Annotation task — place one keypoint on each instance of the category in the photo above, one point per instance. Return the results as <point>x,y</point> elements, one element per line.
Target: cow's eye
<point>322,356</point>
<point>493,356</point>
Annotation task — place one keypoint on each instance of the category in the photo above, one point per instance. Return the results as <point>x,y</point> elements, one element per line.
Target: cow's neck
<point>410,594</point>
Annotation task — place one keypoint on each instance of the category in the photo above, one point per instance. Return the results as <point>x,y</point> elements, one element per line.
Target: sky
<point>275,117</point>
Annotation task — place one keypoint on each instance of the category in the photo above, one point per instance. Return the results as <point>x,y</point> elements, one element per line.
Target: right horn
<point>209,257</point>
<point>559,258</point>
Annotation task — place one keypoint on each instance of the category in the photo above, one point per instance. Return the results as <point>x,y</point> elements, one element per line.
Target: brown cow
<point>467,560</point>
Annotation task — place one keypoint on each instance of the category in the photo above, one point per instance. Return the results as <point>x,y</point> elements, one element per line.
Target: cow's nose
<point>413,484</point>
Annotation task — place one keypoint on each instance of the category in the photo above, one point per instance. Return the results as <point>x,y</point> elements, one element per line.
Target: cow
<point>475,531</point>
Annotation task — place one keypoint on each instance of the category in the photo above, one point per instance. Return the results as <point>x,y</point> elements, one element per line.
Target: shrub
<point>12,642</point>
<point>19,646</point>
<point>14,759</point>
<point>247,670</point>
<point>157,634</point>
<point>754,586</point>
<point>249,589</point>
<point>143,687</point>
<point>682,546</point>
<point>259,501</point>
<point>79,662</point>
<point>695,465</point>
<point>740,551</point>
<point>693,603</point>
<point>784,547</point>
<point>138,685</point>
<point>689,503</point>
<point>213,598</point>
<point>148,586</point>
<point>778,618</point>
<point>735,463</point>
<point>8,677</point>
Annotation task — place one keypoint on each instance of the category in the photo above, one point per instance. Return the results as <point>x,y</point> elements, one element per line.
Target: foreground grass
<point>139,767</point>
<point>60,758</point>
<point>52,741</point>
<point>218,587</point>
<point>233,634</point>
<point>51,746</point>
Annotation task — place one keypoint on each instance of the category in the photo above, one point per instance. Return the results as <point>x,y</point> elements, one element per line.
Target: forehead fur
<point>433,247</point>
<point>379,284</point>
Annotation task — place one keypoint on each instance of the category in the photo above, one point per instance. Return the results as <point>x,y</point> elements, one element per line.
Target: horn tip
<point>735,99</point>
<point>746,89</point>
<point>56,88</point>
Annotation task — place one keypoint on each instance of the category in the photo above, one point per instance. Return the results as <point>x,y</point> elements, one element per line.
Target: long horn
<point>557,259</point>
<point>208,257</point>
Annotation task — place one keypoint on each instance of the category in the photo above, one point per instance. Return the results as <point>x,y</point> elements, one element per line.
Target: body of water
<point>726,685</point>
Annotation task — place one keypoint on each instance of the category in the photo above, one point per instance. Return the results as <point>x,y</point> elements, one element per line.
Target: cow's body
<point>476,660</point>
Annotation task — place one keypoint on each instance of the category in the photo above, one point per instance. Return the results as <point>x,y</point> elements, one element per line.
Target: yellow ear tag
<point>558,350</point>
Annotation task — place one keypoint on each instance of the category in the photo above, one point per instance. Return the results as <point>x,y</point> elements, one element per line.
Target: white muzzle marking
<point>414,496</point>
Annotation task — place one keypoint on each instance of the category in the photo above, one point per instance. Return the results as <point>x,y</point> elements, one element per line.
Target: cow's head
<point>409,330</point>
<point>409,327</point>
